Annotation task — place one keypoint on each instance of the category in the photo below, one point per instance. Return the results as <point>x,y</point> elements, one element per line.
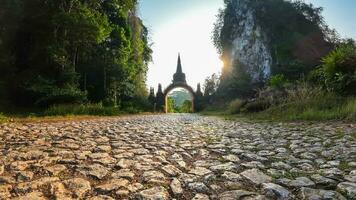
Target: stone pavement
<point>177,157</point>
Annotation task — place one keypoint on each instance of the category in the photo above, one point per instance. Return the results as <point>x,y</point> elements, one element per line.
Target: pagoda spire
<point>179,76</point>
<point>179,65</point>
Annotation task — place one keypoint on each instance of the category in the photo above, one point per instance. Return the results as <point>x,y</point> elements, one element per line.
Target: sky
<point>185,27</point>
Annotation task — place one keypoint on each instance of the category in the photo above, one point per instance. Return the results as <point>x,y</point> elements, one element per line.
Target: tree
<point>186,107</point>
<point>73,51</point>
<point>337,72</point>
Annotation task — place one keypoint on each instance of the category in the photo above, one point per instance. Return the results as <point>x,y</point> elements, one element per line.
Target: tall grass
<point>3,118</point>
<point>308,103</point>
<point>87,109</point>
<point>235,106</point>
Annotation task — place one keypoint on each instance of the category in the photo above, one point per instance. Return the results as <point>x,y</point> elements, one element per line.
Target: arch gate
<point>178,85</point>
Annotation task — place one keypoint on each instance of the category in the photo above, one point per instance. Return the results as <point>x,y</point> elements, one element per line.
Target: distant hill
<point>179,96</point>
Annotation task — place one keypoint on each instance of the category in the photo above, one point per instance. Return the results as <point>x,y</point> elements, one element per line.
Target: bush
<point>277,81</point>
<point>3,118</point>
<point>256,106</point>
<point>87,109</point>
<point>305,102</point>
<point>235,106</point>
<point>338,70</point>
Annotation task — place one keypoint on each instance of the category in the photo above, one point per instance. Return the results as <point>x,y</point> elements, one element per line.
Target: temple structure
<point>179,81</point>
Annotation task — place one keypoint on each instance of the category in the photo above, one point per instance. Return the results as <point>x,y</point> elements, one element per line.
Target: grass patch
<point>344,165</point>
<point>3,118</point>
<point>87,109</point>
<point>304,103</point>
<point>235,106</point>
<point>212,139</point>
<point>317,108</point>
<point>353,135</point>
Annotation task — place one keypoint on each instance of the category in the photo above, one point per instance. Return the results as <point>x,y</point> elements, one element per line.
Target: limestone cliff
<point>249,44</point>
<point>270,37</point>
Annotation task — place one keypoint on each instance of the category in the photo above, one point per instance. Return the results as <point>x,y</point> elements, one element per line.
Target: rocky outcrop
<point>249,43</point>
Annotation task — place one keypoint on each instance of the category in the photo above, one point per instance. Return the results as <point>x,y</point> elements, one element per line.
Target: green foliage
<point>277,81</point>
<point>59,52</point>
<point>338,70</point>
<point>235,106</point>
<point>235,83</point>
<point>180,96</point>
<point>186,107</point>
<point>3,118</point>
<point>81,109</point>
<point>47,93</point>
<point>256,106</point>
<point>171,105</point>
<point>306,102</point>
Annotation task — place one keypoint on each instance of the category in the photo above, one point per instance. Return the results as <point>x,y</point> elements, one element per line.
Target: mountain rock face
<point>249,43</point>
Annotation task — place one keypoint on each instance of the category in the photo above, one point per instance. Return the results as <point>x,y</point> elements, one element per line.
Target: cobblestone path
<point>177,157</point>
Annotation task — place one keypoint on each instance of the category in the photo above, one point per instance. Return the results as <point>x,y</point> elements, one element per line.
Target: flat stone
<point>309,193</point>
<point>103,148</point>
<point>201,197</point>
<point>135,187</point>
<point>231,176</point>
<point>256,176</point>
<point>2,169</point>
<point>198,187</point>
<point>58,191</point>
<point>98,155</point>
<point>231,158</point>
<point>229,166</point>
<point>321,181</point>
<point>111,185</point>
<point>176,187</point>
<point>351,177</point>
<point>125,163</point>
<point>276,191</point>
<point>347,188</point>
<point>122,193</point>
<point>171,170</point>
<point>155,193</point>
<point>153,177</point>
<point>200,171</point>
<point>55,169</point>
<point>32,196</point>
<point>34,185</point>
<point>281,165</point>
<point>24,176</point>
<point>78,186</point>
<point>301,182</point>
<point>5,191</point>
<point>102,197</point>
<point>19,165</point>
<point>235,195</point>
<point>123,173</point>
<point>96,170</point>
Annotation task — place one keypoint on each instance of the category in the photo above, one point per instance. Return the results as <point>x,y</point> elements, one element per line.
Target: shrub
<point>277,81</point>
<point>272,95</point>
<point>256,106</point>
<point>87,109</point>
<point>2,118</point>
<point>305,102</point>
<point>235,106</point>
<point>303,92</point>
<point>349,109</point>
<point>338,70</point>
